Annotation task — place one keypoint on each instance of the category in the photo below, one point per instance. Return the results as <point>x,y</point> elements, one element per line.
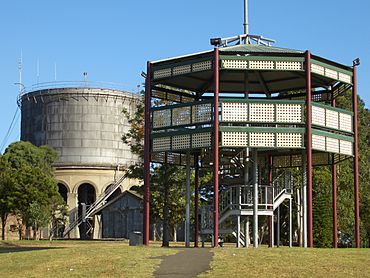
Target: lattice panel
<point>286,65</point>
<point>345,122</point>
<point>181,70</point>
<point>161,118</point>
<point>281,161</point>
<point>262,112</point>
<point>317,69</point>
<point>289,140</point>
<point>345,78</point>
<point>346,147</point>
<point>201,140</point>
<point>318,116</point>
<point>162,73</point>
<point>235,64</point>
<point>332,145</point>
<point>234,112</point>
<point>331,73</point>
<point>234,139</point>
<point>202,113</point>
<point>261,64</point>
<point>332,119</point>
<point>289,113</point>
<point>180,142</point>
<point>181,116</point>
<point>320,159</point>
<point>296,160</point>
<point>318,142</point>
<point>262,139</point>
<point>201,66</point>
<point>162,144</point>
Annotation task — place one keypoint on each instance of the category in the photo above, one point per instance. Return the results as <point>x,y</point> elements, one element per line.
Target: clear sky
<point>113,39</point>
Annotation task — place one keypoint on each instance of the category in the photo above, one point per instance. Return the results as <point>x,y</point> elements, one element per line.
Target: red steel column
<point>215,148</point>
<point>334,198</point>
<point>355,160</point>
<point>270,218</point>
<point>309,149</point>
<point>147,155</point>
<point>196,199</point>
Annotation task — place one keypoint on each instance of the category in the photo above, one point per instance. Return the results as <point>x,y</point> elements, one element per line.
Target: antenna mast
<point>20,72</point>
<point>246,23</point>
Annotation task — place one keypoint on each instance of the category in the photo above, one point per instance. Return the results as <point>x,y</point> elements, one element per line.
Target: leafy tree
<point>32,189</point>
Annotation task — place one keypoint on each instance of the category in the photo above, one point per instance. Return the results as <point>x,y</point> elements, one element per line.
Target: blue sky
<point>113,39</point>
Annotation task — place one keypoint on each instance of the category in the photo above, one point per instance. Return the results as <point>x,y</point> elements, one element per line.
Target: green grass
<point>285,262</point>
<point>78,259</point>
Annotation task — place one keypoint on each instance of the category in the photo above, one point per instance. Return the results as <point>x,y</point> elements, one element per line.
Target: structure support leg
<point>255,198</point>
<point>215,148</point>
<point>278,227</point>
<point>246,232</point>
<point>187,205</point>
<point>290,224</point>
<point>147,155</point>
<point>196,200</point>
<point>334,203</point>
<point>304,200</point>
<point>355,159</point>
<point>309,149</point>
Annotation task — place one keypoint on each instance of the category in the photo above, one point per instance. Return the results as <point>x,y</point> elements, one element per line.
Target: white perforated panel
<point>332,145</point>
<point>162,73</point>
<point>262,139</point>
<point>181,116</point>
<point>261,64</point>
<point>345,122</point>
<point>331,73</point>
<point>346,147</point>
<point>317,69</point>
<point>234,64</point>
<point>332,119</point>
<point>318,142</point>
<point>201,140</point>
<point>201,66</point>
<point>290,140</point>
<point>345,78</point>
<point>234,139</point>
<point>318,116</point>
<point>289,113</point>
<point>202,113</point>
<point>162,118</point>
<point>283,65</point>
<point>180,142</point>
<point>181,70</point>
<point>262,112</point>
<point>234,112</point>
<point>162,144</point>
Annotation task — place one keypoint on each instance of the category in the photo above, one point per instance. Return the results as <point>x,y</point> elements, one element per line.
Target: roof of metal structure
<point>254,48</point>
<point>256,68</point>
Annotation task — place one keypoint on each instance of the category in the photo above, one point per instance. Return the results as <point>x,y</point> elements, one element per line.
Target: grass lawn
<point>285,262</point>
<point>78,259</point>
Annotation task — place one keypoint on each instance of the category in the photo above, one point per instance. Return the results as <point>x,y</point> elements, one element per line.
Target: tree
<point>31,187</point>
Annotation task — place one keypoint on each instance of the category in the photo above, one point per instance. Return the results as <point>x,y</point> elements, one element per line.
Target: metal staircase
<point>92,209</point>
<point>237,200</point>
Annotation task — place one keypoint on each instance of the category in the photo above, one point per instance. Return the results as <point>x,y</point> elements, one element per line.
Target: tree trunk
<point>3,224</point>
<point>166,238</point>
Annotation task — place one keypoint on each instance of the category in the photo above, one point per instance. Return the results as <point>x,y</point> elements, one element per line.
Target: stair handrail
<point>97,204</point>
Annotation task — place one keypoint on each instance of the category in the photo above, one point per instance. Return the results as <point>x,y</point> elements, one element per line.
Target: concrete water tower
<point>83,122</point>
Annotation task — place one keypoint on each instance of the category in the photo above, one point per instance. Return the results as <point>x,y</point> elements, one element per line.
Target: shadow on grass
<point>6,247</point>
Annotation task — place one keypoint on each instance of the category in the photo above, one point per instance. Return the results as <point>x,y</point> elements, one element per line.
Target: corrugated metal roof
<point>253,48</point>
